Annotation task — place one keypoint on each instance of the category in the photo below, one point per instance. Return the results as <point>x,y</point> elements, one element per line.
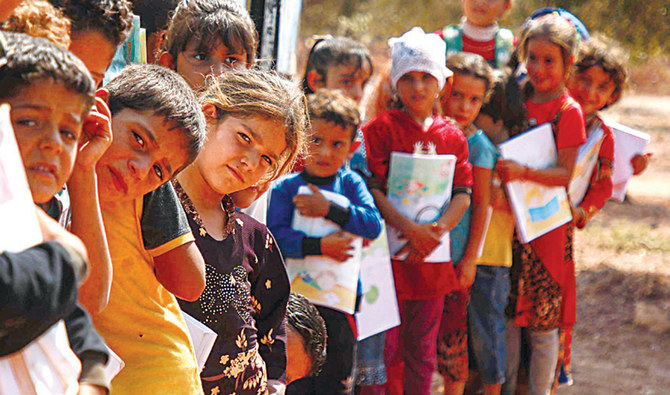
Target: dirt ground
<point>623,259</point>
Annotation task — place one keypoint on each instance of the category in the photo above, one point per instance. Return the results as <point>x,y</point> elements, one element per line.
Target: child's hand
<point>337,246</point>
<point>423,239</point>
<point>466,271</point>
<point>96,134</point>
<point>579,217</point>
<point>314,205</point>
<point>640,162</point>
<point>510,170</point>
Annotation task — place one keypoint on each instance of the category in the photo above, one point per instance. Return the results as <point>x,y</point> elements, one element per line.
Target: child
<point>418,73</point>
<point>471,82</point>
<point>345,65</point>
<point>596,82</point>
<point>51,93</point>
<point>98,28</point>
<point>256,126</point>
<point>479,32</point>
<point>538,285</point>
<point>305,340</point>
<point>38,18</point>
<point>158,130</point>
<point>334,123</point>
<point>208,37</point>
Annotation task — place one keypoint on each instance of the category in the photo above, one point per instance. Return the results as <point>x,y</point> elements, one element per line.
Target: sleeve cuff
<point>172,244</point>
<point>93,370</point>
<point>463,189</point>
<point>338,214</point>
<point>311,246</point>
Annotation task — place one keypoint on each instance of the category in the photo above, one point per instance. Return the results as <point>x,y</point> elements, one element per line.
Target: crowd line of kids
<point>150,172</point>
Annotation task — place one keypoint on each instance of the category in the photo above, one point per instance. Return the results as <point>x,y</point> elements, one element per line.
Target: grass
<point>627,236</point>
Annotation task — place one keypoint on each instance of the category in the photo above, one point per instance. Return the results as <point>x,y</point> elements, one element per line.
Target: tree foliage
<point>640,26</point>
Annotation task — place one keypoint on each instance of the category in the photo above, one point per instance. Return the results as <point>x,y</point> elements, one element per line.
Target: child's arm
<point>481,201</point>
<point>600,187</point>
<point>166,234</point>
<point>91,350</point>
<point>559,175</point>
<point>86,214</point>
<point>640,162</point>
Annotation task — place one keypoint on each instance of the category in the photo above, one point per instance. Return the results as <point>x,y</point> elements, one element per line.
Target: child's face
<point>144,154</point>
<point>484,12</point>
<point>331,145</point>
<point>95,51</point>
<point>418,91</point>
<point>466,99</point>
<point>197,61</point>
<point>593,89</point>
<point>239,151</point>
<point>47,120</point>
<point>546,70</point>
<point>348,79</point>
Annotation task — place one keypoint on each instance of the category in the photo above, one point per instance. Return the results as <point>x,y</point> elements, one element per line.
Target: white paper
<point>114,364</point>
<point>538,209</point>
<point>587,158</point>
<point>202,337</point>
<point>323,280</point>
<point>379,305</point>
<point>20,229</point>
<point>50,366</point>
<point>420,187</point>
<point>628,142</point>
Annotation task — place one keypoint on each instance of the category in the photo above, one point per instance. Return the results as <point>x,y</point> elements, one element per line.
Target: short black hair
<point>332,51</point>
<point>306,320</point>
<point>333,106</point>
<point>32,59</point>
<point>164,92</point>
<point>112,18</point>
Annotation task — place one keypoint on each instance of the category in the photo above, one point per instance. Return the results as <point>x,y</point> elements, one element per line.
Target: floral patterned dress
<point>244,302</point>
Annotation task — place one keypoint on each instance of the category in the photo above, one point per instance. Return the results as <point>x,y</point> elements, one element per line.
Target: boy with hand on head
<point>158,130</point>
<point>479,32</point>
<point>51,94</point>
<point>334,123</point>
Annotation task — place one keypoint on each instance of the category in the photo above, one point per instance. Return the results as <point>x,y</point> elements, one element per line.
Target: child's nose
<point>139,167</point>
<point>51,139</point>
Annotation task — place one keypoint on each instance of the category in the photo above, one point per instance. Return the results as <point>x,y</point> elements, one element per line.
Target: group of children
<point>151,171</point>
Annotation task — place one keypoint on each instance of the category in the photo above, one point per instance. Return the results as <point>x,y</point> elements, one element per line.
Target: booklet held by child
<point>587,158</point>
<point>323,280</point>
<point>538,209</point>
<point>420,187</point>
<point>628,142</point>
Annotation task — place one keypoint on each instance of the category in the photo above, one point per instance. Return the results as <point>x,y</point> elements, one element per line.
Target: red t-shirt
<point>396,131</point>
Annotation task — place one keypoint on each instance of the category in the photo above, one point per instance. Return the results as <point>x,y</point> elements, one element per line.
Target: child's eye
<point>347,82</point>
<point>232,61</point>
<point>158,171</point>
<point>316,140</point>
<point>200,56</point>
<point>28,122</point>
<point>338,144</point>
<point>268,160</point>
<point>139,139</point>
<point>244,137</point>
<point>68,134</point>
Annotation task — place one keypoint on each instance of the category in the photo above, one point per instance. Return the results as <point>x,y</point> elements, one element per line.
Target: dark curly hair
<point>306,320</point>
<point>333,106</point>
<point>112,18</point>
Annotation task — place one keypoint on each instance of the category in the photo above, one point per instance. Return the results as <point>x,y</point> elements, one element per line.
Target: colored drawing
<point>419,187</point>
<point>537,209</point>
<point>379,306</point>
<point>322,280</point>
<point>587,158</point>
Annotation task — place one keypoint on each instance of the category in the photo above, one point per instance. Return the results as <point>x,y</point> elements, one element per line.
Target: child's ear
<point>103,94</point>
<point>315,81</point>
<point>166,61</point>
<point>209,110</point>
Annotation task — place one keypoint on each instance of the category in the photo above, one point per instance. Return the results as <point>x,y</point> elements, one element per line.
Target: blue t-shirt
<point>482,153</point>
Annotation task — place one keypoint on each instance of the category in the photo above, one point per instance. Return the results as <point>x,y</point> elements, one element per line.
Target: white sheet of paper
<point>50,366</point>
<point>628,142</point>
<point>587,158</point>
<point>202,337</point>
<point>379,305</point>
<point>538,209</point>
<point>323,280</point>
<point>19,229</point>
<point>420,187</point>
